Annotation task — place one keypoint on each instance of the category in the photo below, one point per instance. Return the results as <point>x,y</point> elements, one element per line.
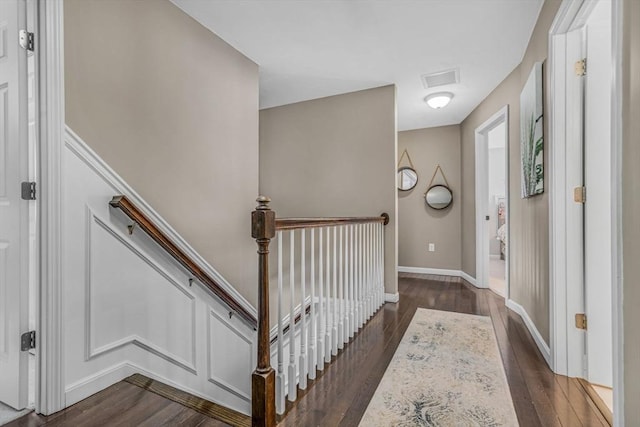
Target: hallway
<point>340,395</point>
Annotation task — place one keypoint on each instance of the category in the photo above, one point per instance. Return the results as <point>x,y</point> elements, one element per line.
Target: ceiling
<point>316,48</point>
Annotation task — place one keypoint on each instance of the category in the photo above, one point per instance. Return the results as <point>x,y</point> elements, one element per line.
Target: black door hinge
<point>28,341</point>
<point>28,191</point>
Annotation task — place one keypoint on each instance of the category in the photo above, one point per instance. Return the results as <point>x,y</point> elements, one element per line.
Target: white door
<point>14,214</point>
<point>598,207</point>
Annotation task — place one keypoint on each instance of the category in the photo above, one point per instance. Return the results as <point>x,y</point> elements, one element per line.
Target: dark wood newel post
<point>263,380</point>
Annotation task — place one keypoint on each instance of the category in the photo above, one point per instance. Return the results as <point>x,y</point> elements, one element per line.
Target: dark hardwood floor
<point>122,404</point>
<point>342,391</point>
<point>541,398</point>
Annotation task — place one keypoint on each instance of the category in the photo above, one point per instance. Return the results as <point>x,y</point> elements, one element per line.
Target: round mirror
<point>407,178</point>
<point>438,197</point>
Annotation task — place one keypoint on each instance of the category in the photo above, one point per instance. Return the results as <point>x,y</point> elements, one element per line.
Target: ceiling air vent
<point>441,78</point>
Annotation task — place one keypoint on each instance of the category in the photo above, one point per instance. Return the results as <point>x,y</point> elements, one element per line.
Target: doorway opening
<point>492,213</point>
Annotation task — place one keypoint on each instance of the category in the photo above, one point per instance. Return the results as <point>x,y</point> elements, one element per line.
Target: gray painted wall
<point>418,224</point>
<point>334,156</point>
<point>529,251</point>
<point>173,109</point>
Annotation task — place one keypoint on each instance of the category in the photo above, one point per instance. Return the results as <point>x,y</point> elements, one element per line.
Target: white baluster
<point>340,290</point>
<point>346,301</point>
<point>302,365</point>
<point>328,318</point>
<point>381,231</point>
<point>321,321</point>
<point>369,273</point>
<point>376,227</point>
<point>352,297</point>
<point>357,278</point>
<point>360,277</point>
<point>280,374</point>
<point>312,312</point>
<point>293,386</point>
<point>334,324</point>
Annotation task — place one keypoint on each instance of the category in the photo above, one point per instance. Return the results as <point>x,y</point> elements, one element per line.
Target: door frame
<point>482,194</point>
<point>566,285</point>
<point>50,340</point>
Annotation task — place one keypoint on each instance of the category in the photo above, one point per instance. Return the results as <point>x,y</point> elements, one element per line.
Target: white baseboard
<point>542,345</point>
<point>103,379</point>
<point>423,270</point>
<point>96,382</point>
<point>394,298</point>
<point>469,279</point>
<point>439,272</point>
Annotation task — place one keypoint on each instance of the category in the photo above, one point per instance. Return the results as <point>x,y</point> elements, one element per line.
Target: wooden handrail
<point>130,210</point>
<point>297,223</point>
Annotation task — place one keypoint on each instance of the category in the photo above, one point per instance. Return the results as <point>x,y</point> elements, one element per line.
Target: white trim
<point>481,196</point>
<point>393,298</point>
<point>439,272</point>
<point>565,288</point>
<point>616,207</point>
<point>424,270</point>
<point>50,395</point>
<point>540,342</point>
<point>81,389</point>
<point>469,278</point>
<point>87,155</point>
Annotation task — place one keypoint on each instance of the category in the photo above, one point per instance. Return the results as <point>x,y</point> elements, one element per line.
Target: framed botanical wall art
<point>531,139</point>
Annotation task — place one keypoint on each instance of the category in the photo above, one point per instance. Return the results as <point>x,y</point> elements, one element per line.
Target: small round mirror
<point>407,178</point>
<point>438,197</point>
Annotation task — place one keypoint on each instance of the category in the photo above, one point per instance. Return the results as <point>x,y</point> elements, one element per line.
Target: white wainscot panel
<point>4,308</point>
<point>130,300</point>
<point>230,356</point>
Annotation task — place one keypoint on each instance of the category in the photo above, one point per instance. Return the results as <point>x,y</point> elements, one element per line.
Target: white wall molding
<point>426,270</point>
<point>91,350</point>
<point>216,366</point>
<point>392,298</point>
<point>50,396</point>
<point>439,272</point>
<point>540,342</point>
<point>469,278</point>
<point>131,308</point>
<point>102,379</point>
<point>90,157</point>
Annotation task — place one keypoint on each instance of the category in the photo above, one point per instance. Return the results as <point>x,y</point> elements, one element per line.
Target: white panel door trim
<point>212,377</point>
<point>572,15</point>
<point>92,351</point>
<point>80,148</point>
<point>50,395</point>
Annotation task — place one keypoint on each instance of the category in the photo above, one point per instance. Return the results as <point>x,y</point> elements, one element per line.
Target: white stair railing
<point>328,302</point>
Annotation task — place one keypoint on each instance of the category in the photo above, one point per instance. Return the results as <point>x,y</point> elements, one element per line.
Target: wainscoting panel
<point>235,362</point>
<point>4,309</point>
<point>129,307</point>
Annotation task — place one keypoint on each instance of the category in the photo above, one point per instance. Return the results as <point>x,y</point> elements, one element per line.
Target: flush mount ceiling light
<point>438,100</point>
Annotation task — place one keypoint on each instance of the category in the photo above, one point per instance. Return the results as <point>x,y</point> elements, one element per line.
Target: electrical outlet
<point>432,247</point>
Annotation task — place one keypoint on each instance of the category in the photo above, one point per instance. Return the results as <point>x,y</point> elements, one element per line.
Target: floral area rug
<point>447,371</point>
